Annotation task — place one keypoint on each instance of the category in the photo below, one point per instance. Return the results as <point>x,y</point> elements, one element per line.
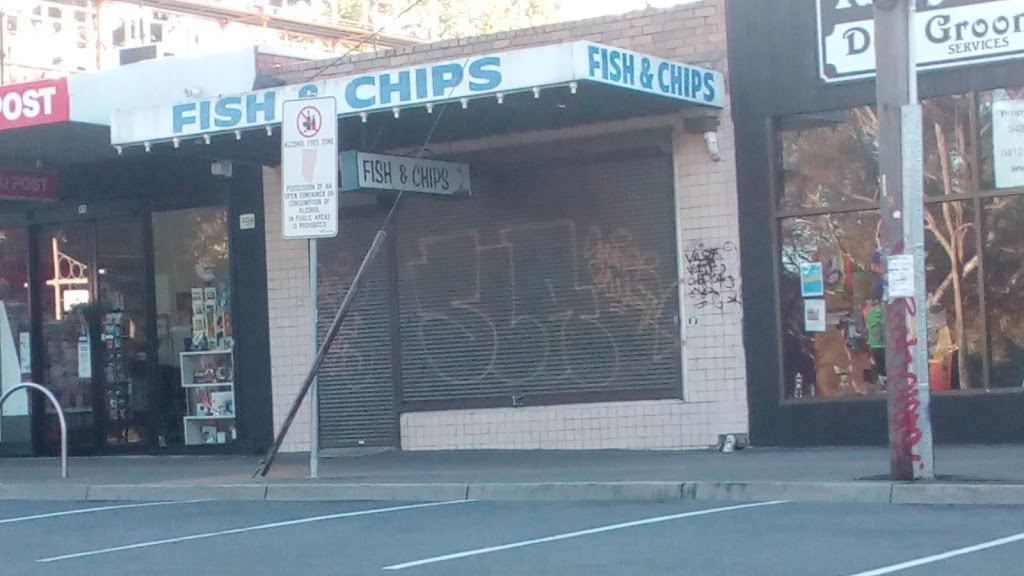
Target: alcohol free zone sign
<point>309,168</point>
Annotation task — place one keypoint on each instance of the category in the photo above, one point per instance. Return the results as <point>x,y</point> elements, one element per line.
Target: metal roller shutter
<point>357,406</point>
<point>554,278</point>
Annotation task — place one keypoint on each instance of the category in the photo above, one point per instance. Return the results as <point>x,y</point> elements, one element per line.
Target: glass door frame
<point>94,214</point>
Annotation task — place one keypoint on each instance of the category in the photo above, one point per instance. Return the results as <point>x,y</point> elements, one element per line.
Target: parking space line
<point>577,534</point>
<point>91,510</point>
<point>943,556</point>
<point>249,529</point>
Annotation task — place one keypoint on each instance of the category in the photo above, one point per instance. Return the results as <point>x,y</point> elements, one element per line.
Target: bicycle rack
<point>60,416</point>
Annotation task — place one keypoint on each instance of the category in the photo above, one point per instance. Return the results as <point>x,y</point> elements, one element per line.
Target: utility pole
<point>901,159</point>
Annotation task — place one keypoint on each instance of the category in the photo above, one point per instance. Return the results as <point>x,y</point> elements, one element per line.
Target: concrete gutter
<point>851,492</point>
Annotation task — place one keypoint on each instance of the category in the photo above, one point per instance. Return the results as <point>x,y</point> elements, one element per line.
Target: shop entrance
<point>95,346</point>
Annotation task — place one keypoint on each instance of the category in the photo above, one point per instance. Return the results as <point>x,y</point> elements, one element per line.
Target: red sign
<point>28,185</point>
<point>34,103</point>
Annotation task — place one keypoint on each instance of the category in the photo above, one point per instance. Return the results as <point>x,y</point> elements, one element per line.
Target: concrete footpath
<point>966,475</point>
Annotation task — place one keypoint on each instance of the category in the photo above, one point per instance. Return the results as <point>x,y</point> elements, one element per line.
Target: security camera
<point>711,141</point>
<point>221,169</point>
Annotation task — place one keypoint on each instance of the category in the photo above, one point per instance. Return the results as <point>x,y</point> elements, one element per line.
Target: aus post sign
<point>309,168</point>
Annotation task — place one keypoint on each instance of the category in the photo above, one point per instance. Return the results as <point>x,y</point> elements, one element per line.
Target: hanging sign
<point>309,168</point>
<point>1008,143</point>
<point>362,170</point>
<point>947,33</point>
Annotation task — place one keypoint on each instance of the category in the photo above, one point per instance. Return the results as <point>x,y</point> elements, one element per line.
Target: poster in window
<point>1008,143</point>
<point>815,315</point>
<point>812,280</point>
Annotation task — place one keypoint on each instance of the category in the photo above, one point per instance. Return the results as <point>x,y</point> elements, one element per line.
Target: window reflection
<point>829,160</point>
<point>845,358</point>
<point>1004,289</point>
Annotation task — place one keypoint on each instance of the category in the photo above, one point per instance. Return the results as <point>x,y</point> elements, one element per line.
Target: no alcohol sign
<point>309,168</point>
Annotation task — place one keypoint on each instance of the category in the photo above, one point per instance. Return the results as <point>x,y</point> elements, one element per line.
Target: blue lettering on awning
<point>226,112</point>
<point>633,70</point>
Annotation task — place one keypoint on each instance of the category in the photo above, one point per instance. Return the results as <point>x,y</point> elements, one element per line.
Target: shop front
<point>809,196</point>
<point>582,289</point>
<point>123,287</point>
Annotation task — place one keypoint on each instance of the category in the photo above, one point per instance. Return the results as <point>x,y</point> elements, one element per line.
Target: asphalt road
<point>515,538</point>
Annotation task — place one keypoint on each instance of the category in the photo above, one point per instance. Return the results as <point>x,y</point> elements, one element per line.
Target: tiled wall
<point>291,336</point>
<point>714,368</point>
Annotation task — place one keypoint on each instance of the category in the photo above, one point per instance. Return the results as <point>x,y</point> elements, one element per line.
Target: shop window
<point>837,352</point>
<point>15,317</point>
<point>1004,288</point>
<point>948,125</point>
<point>955,330</point>
<point>828,160</point>
<point>974,214</point>
<point>193,304</point>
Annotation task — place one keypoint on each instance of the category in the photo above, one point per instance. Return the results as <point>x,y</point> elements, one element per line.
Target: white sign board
<point>1008,143</point>
<point>309,168</point>
<point>362,170</point>
<point>900,275</point>
<point>948,33</point>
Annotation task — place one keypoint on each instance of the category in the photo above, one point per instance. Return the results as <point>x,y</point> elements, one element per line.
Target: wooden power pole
<point>901,159</point>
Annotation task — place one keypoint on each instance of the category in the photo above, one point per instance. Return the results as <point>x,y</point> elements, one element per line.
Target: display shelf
<point>206,377</point>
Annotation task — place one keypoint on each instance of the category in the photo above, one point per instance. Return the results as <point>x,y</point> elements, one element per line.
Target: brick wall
<point>291,336</point>
<point>693,33</point>
<point>714,364</point>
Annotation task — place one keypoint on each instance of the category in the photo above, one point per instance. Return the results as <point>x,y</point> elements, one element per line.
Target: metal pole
<point>60,417</point>
<point>321,355</point>
<point>314,401</point>
<point>901,159</point>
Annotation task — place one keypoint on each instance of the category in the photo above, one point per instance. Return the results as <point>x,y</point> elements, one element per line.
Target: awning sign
<point>426,85</point>
<point>948,33</point>
<point>362,170</point>
<point>24,185</point>
<point>309,168</point>
<point>34,103</point>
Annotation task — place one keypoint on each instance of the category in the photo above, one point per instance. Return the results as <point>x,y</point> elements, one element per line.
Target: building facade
<point>802,79</point>
<point>586,296</point>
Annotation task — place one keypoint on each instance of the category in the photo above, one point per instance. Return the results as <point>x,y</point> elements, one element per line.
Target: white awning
<point>461,81</point>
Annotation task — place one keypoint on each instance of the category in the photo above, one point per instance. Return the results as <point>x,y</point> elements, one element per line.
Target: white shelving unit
<point>208,379</point>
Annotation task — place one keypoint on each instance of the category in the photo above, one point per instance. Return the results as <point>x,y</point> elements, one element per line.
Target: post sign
<point>27,185</point>
<point>309,168</point>
<point>362,170</point>
<point>34,103</point>
<point>948,33</point>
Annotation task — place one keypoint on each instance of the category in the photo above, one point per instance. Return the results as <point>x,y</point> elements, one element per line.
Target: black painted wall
<point>773,63</point>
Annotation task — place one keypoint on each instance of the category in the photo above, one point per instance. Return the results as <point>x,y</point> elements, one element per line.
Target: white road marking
<point>90,510</point>
<point>248,529</point>
<point>577,534</point>
<point>943,556</point>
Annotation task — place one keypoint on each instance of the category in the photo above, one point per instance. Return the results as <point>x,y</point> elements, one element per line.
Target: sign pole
<point>901,159</point>
<point>314,401</point>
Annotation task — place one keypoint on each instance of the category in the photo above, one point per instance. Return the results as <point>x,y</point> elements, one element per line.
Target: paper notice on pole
<point>309,168</point>
<point>900,275</point>
<point>1008,143</point>
<point>84,358</point>
<point>815,316</point>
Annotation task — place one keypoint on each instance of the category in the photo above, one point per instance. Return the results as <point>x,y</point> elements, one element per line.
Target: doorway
<point>95,339</point>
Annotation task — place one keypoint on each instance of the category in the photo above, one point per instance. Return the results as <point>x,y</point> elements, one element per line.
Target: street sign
<point>309,168</point>
<point>365,171</point>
